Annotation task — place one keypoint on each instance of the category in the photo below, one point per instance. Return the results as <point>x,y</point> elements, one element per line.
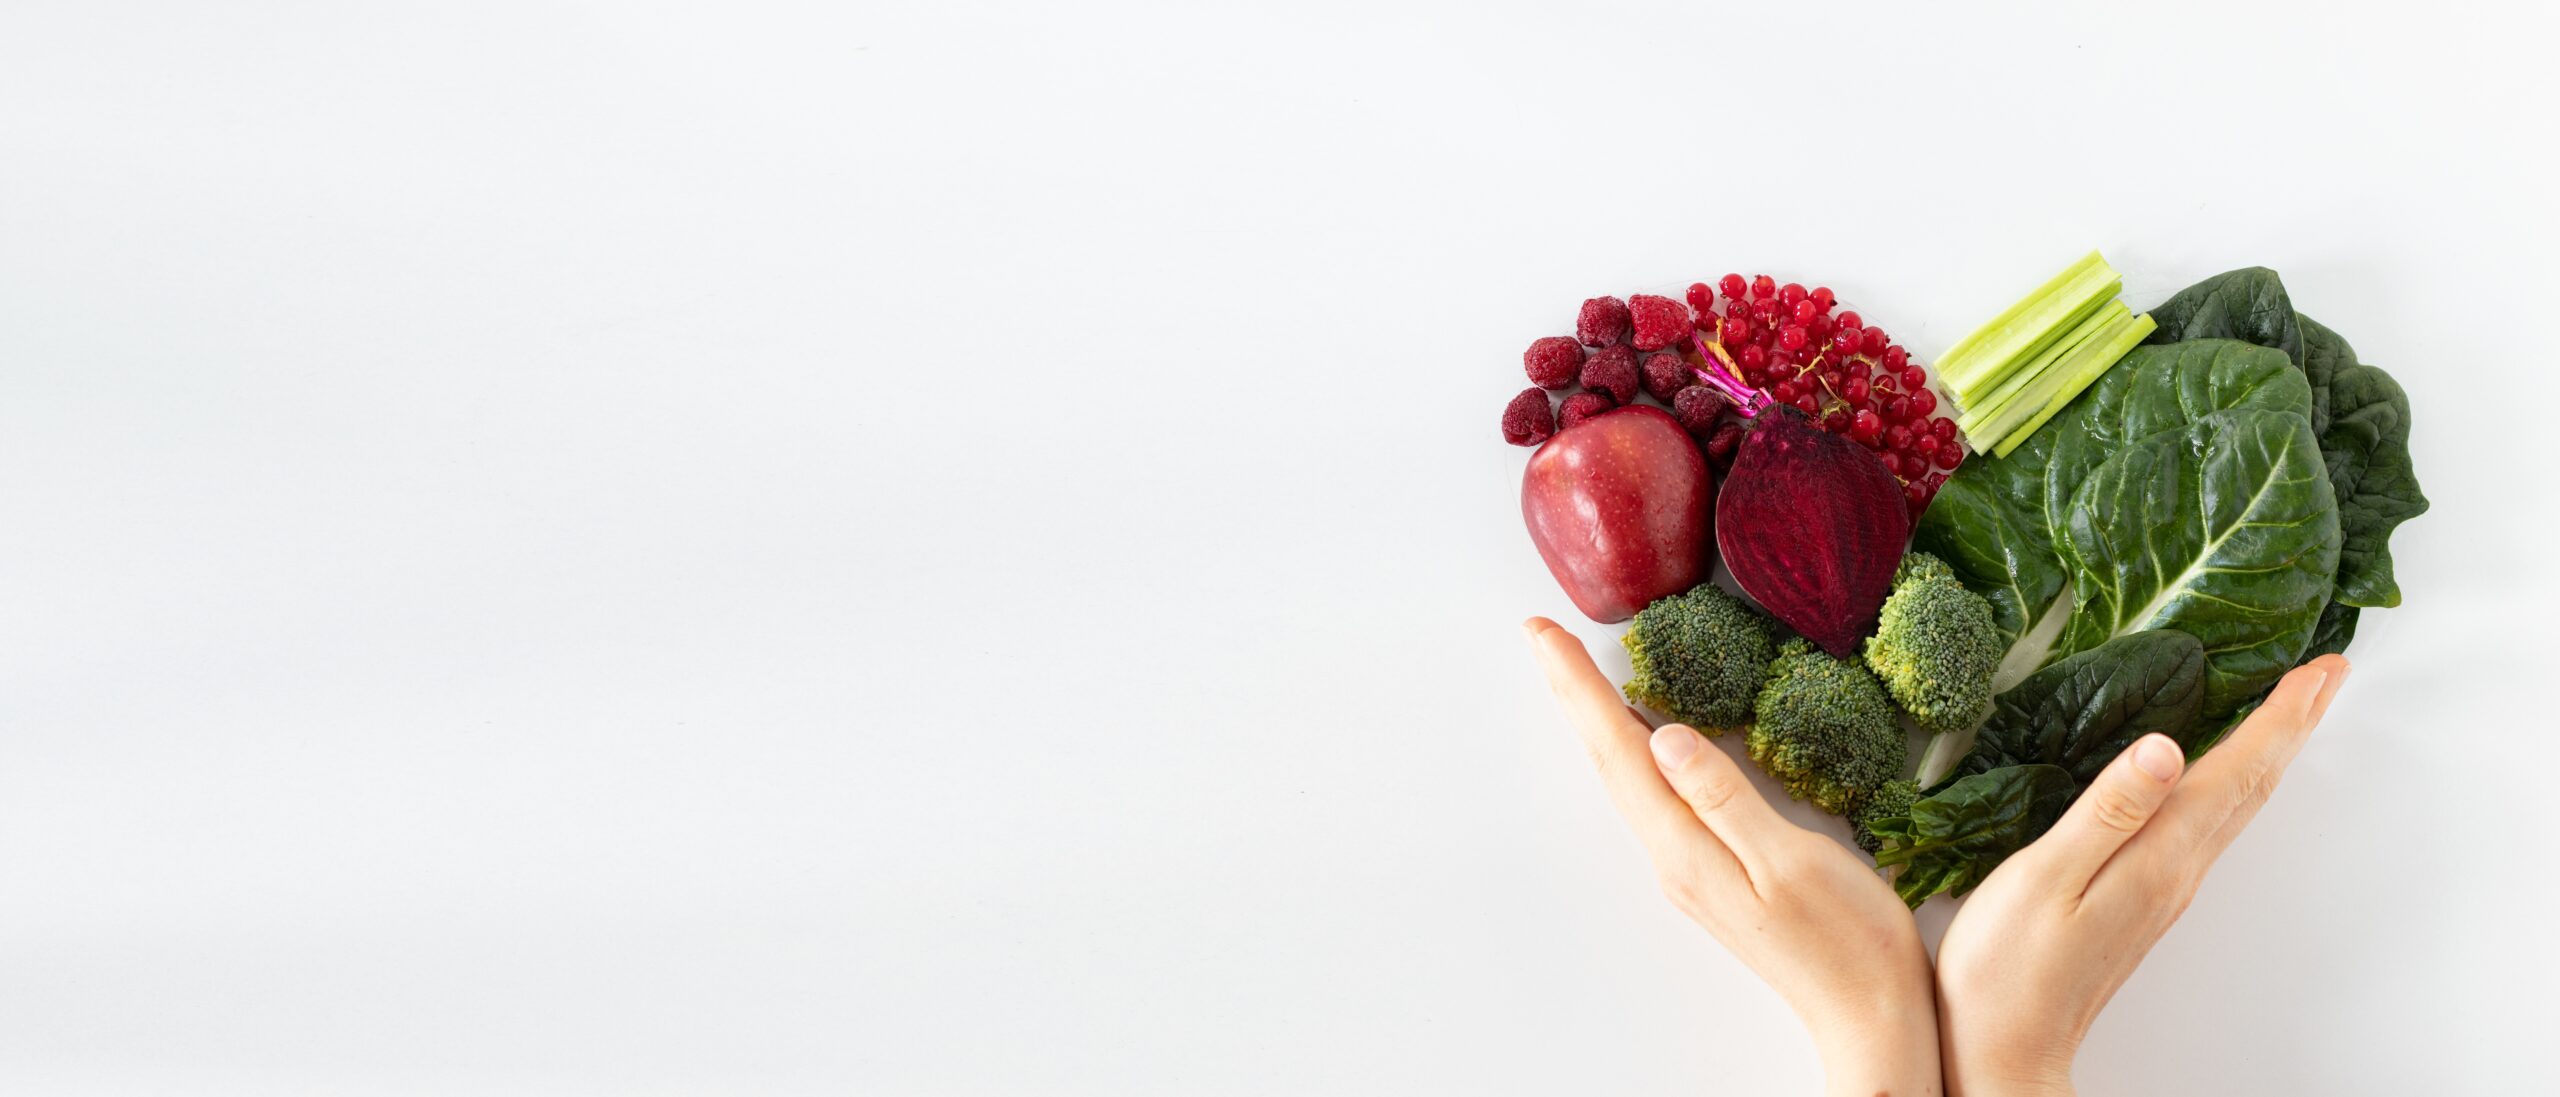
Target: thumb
<point>2110,811</point>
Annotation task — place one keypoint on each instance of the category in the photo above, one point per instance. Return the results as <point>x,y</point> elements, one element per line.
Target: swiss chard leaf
<point>1988,523</point>
<point>1953,838</point>
<point>2336,629</point>
<point>2088,707</point>
<point>2226,531</point>
<point>2366,445</point>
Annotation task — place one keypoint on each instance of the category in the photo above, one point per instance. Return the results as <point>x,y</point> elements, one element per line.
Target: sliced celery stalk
<point>1964,347</point>
<point>2001,426</point>
<point>2018,340</point>
<point>2106,312</point>
<point>2094,366</point>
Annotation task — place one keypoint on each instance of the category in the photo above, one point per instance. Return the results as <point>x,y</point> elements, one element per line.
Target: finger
<point>2234,779</point>
<point>2114,808</point>
<point>1616,740</point>
<point>1717,793</point>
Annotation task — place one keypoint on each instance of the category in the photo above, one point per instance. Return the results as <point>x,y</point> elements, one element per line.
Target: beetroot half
<point>1809,523</point>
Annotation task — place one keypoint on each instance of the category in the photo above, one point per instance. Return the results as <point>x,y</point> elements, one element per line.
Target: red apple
<point>1620,508</point>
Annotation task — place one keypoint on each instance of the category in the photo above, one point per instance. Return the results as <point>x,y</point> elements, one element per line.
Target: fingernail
<point>1673,744</point>
<point>2157,756</point>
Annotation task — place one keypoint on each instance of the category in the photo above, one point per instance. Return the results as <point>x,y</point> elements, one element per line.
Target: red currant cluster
<point>1843,373</point>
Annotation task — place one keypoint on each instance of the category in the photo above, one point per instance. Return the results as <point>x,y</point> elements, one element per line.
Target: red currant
<point>1823,298</point>
<point>1854,390</point>
<point>1806,403</point>
<point>1737,329</point>
<point>1892,463</point>
<point>1850,320</point>
<point>1925,445</point>
<point>1899,410</point>
<point>1846,339</point>
<point>1837,422</point>
<point>1874,342</point>
<point>1895,358</point>
<point>1800,355</point>
<point>1763,286</point>
<point>1897,435</point>
<point>1917,493</point>
<point>1923,402</point>
<point>1790,293</point>
<point>1914,379</point>
<point>1803,312</point>
<point>1754,357</point>
<point>1701,296</point>
<point>1884,386</point>
<point>1949,457</point>
<point>1733,286</point>
<point>1791,337</point>
<point>1866,423</point>
<point>1943,429</point>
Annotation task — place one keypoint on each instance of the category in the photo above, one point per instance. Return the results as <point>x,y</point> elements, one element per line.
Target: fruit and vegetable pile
<point>2085,526</point>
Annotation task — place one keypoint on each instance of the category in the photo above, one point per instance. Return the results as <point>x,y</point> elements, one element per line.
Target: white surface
<point>945,549</point>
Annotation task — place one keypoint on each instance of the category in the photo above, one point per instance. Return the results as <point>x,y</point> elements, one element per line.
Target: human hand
<point>1800,909</point>
<point>2046,940</point>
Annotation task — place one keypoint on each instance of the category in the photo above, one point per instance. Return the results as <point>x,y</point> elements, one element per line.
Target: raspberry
<point>1612,371</point>
<point>1665,374</point>
<point>1527,420</point>
<point>1553,362</point>
<point>1659,321</point>
<point>1697,408</point>
<point>1721,445</point>
<point>1603,322</point>
<point>1581,406</point>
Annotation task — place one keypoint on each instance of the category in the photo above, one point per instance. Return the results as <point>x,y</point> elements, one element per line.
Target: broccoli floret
<point>1893,798</point>
<point>1700,657</point>
<point>1935,647</point>
<point>1825,729</point>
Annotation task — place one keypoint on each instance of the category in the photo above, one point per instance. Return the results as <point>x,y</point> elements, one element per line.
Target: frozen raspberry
<point>1659,321</point>
<point>1721,445</point>
<point>1553,362</point>
<point>1612,371</point>
<point>1581,406</point>
<point>1697,408</point>
<point>1603,322</point>
<point>1665,374</point>
<point>1527,420</point>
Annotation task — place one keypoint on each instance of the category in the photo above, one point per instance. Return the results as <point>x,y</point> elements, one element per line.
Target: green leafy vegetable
<point>2358,412</point>
<point>2204,446</point>
<point>1951,840</point>
<point>2088,707</point>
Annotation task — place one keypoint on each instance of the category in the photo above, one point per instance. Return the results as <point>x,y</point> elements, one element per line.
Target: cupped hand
<point>1802,910</point>
<point>2044,942</point>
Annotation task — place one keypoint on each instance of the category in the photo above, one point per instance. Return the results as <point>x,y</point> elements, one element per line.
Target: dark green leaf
<point>2248,304</point>
<point>2088,707</point>
<point>2225,531</point>
<point>2367,449</point>
<point>1952,839</point>
<point>2336,629</point>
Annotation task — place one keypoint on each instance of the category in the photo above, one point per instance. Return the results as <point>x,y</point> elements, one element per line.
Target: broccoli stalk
<point>1699,657</point>
<point>1935,649</point>
<point>1824,729</point>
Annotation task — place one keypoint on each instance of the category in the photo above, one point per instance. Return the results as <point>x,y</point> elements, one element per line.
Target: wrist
<point>1890,1050</point>
<point>1980,1072</point>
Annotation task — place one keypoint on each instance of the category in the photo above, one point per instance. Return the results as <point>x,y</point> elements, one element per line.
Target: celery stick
<point>2002,425</point>
<point>1965,346</point>
<point>2096,366</point>
<point>1984,405</point>
<point>2013,342</point>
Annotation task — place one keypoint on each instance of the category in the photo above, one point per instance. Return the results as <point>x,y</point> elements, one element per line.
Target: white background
<point>943,549</point>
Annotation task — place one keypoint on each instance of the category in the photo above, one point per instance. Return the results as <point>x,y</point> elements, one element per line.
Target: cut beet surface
<point>1809,523</point>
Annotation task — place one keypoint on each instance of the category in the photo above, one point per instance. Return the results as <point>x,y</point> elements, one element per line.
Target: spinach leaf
<point>2086,708</point>
<point>2248,304</point>
<point>2366,445</point>
<point>2336,628</point>
<point>2226,531</point>
<point>1952,839</point>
